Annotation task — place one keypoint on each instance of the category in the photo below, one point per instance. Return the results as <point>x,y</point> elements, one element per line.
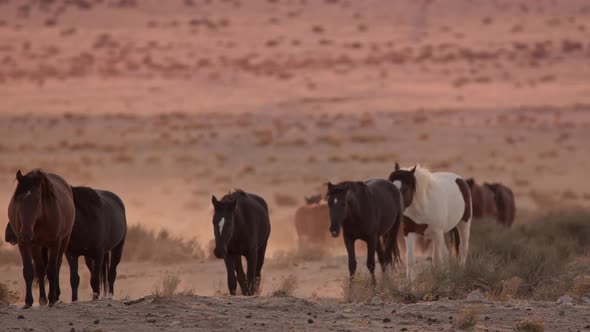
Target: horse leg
<point>381,255</point>
<point>252,261</point>
<point>349,244</point>
<point>260,263</point>
<point>74,276</point>
<point>28,273</point>
<point>231,274</point>
<point>52,270</point>
<point>39,261</point>
<point>371,259</point>
<point>438,249</point>
<point>62,250</point>
<point>240,273</point>
<point>464,230</point>
<point>97,260</point>
<point>410,239</point>
<point>116,255</point>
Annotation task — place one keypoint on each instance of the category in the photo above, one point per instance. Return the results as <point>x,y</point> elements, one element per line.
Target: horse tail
<point>393,237</point>
<point>455,239</point>
<point>104,273</point>
<point>45,257</point>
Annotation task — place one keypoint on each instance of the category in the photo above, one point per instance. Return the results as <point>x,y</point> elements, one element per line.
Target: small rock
<point>150,320</point>
<point>565,299</point>
<point>174,323</point>
<point>96,321</point>
<point>249,316</point>
<point>376,300</point>
<point>476,296</point>
<point>404,329</point>
<point>71,324</point>
<point>561,313</point>
<point>340,316</point>
<point>20,317</point>
<point>386,320</point>
<point>310,321</point>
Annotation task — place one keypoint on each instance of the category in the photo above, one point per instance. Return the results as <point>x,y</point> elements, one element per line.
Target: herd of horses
<point>49,218</point>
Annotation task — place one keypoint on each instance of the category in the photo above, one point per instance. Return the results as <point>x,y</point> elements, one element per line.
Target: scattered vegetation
<point>287,287</point>
<point>285,200</point>
<point>539,261</point>
<point>145,245</point>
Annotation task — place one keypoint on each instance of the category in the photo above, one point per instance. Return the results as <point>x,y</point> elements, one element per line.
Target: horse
<point>41,212</point>
<point>504,202</point>
<point>241,225</point>
<point>483,200</point>
<point>370,211</point>
<point>435,204</point>
<point>99,232</point>
<point>312,222</point>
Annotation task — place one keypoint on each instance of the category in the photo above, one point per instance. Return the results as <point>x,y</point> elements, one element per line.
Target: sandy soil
<point>195,313</point>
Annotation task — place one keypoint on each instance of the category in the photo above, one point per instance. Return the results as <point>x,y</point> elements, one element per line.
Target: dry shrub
<point>530,325</point>
<point>329,140</point>
<point>295,142</point>
<point>123,158</point>
<point>367,138</point>
<point>167,287</point>
<point>6,295</point>
<point>582,285</point>
<point>359,289</point>
<point>249,169</point>
<point>145,245</point>
<point>285,200</point>
<point>286,287</point>
<point>264,137</point>
<point>467,318</point>
<point>541,254</point>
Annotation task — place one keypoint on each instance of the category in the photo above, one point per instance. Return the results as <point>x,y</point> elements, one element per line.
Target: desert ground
<point>167,103</point>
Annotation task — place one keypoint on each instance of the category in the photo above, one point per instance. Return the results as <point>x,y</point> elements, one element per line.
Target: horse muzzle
<point>335,232</point>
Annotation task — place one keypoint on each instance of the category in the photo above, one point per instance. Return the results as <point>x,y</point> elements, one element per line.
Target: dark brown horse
<point>241,226</point>
<point>504,203</point>
<point>41,212</point>
<point>483,200</point>
<point>371,211</point>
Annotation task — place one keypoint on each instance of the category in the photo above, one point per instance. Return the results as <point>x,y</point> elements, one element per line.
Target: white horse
<point>436,203</point>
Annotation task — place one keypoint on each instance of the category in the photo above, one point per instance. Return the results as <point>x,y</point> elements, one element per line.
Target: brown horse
<point>504,203</point>
<point>312,223</point>
<point>483,200</point>
<point>41,212</point>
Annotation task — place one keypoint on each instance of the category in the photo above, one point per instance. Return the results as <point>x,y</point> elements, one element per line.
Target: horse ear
<point>214,200</point>
<point>330,186</point>
<point>396,167</point>
<point>413,170</point>
<point>19,176</point>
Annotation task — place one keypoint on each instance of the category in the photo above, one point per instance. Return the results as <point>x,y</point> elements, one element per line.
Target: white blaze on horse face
<point>28,193</point>
<point>335,200</point>
<point>221,222</point>
<point>398,184</point>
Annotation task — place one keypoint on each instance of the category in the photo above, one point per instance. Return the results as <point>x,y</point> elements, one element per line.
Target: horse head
<point>223,223</point>
<point>405,181</point>
<point>341,201</point>
<point>31,191</point>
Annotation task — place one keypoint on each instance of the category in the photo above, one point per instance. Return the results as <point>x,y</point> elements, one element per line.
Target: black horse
<point>99,232</point>
<point>370,211</point>
<point>241,226</point>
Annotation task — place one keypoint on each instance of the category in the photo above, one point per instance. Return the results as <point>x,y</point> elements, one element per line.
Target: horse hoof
<point>51,304</point>
<point>94,296</point>
<point>27,306</point>
<point>42,301</point>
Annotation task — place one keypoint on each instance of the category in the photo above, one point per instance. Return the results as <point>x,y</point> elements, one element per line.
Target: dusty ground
<point>166,103</point>
<point>293,314</point>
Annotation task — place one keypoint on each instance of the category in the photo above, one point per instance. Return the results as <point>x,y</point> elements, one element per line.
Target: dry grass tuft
<point>167,288</point>
<point>467,318</point>
<point>530,325</point>
<point>6,295</point>
<point>582,285</point>
<point>286,288</point>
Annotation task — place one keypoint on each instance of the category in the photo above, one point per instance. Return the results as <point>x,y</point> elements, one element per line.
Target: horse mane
<point>86,200</point>
<point>423,183</point>
<point>31,180</point>
<point>235,195</point>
